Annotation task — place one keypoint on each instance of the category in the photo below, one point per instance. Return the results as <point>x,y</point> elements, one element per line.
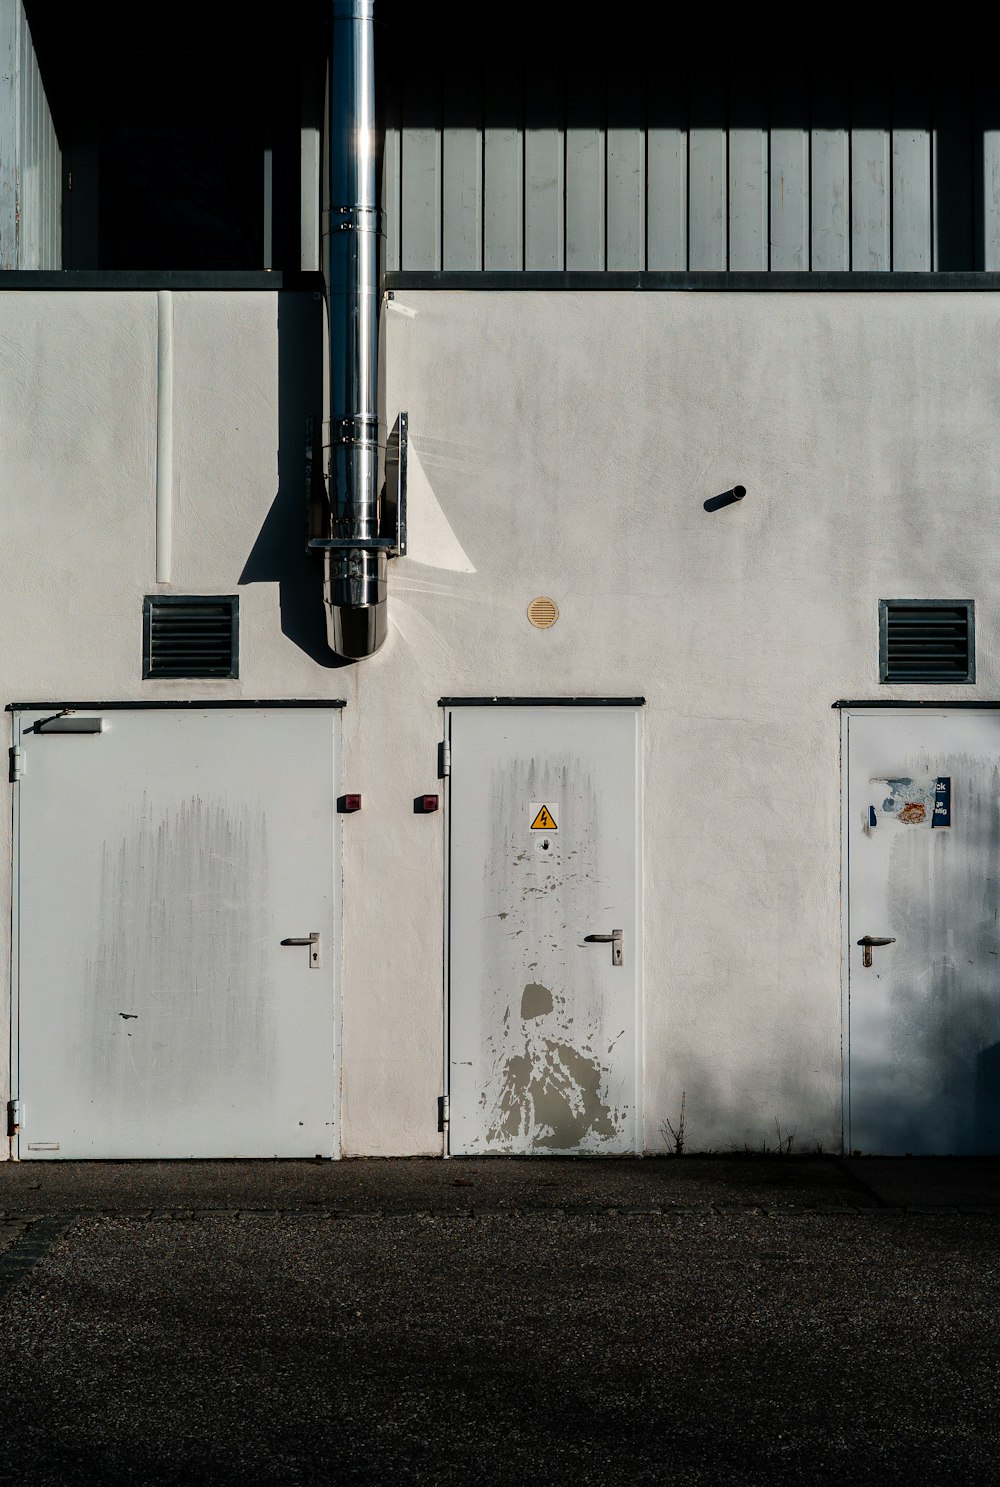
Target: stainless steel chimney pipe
<point>354,577</point>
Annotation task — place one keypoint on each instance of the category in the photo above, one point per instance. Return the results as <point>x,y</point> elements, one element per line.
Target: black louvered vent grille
<point>925,642</point>
<point>188,636</point>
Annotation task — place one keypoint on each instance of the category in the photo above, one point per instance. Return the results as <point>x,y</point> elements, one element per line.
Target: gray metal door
<point>544,930</point>
<point>923,931</point>
<point>160,863</point>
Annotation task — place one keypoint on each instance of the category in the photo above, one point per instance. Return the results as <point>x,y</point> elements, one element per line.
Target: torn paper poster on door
<point>925,801</point>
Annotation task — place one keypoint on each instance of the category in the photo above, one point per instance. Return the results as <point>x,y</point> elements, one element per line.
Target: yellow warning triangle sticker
<point>544,821</point>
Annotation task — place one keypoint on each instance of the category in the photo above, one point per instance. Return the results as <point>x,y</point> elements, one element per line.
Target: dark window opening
<point>927,640</point>
<point>181,132</point>
<point>205,210</point>
<point>190,635</point>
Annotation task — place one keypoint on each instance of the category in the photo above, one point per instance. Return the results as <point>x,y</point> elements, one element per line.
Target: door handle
<point>867,941</point>
<point>313,941</point>
<point>614,939</point>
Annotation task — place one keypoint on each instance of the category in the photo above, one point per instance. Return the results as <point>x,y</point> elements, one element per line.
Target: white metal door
<point>544,852</point>
<point>160,864</point>
<point>923,845</point>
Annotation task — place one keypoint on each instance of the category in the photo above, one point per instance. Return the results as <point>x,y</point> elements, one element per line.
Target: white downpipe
<point>164,433</point>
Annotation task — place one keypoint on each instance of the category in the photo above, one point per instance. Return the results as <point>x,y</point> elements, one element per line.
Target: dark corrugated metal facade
<point>559,162</point>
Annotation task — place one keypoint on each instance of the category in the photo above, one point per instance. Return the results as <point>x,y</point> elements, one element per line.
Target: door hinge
<point>444,1112</point>
<point>13,1117</point>
<point>17,764</point>
<point>444,759</point>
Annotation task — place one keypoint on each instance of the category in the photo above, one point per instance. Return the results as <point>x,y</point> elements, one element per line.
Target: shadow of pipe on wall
<point>279,552</point>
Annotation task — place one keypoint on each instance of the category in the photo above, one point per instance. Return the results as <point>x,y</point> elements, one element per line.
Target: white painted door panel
<point>923,1030</point>
<point>159,865</point>
<point>543,1034</point>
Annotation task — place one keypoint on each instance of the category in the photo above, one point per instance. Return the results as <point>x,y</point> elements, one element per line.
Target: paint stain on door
<point>551,1094</point>
<point>546,1088</point>
<point>536,1001</point>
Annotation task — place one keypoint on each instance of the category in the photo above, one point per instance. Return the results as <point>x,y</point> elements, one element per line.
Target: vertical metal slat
<point>585,168</point>
<point>57,172</point>
<point>44,199</point>
<point>626,171</point>
<point>789,176</point>
<point>31,164</point>
<point>830,183</point>
<point>11,22</point>
<point>54,193</point>
<point>544,172</point>
<point>748,172</point>
<point>666,166</point>
<point>462,163</point>
<point>911,172</point>
<point>708,246</point>
<point>870,174</point>
<point>391,169</point>
<point>988,125</point>
<point>503,173</point>
<point>420,174</point>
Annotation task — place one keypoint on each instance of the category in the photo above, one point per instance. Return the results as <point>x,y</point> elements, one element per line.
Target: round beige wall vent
<point>543,613</point>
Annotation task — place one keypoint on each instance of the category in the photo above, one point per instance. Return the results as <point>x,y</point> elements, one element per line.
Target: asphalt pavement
<point>697,1321</point>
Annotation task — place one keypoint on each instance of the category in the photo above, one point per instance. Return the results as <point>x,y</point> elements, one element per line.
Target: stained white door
<point>544,816</point>
<point>923,845</point>
<point>160,863</point>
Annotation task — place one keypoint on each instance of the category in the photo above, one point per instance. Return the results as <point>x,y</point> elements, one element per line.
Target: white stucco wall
<point>563,444</point>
